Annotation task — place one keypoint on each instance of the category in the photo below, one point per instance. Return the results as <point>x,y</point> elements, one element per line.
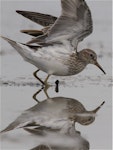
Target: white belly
<point>47,60</point>
<point>52,67</point>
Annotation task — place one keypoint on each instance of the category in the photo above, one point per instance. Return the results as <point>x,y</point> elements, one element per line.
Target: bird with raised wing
<point>58,54</point>
<point>74,24</point>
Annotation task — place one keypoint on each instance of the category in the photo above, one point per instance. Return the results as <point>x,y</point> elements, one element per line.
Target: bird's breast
<point>75,65</point>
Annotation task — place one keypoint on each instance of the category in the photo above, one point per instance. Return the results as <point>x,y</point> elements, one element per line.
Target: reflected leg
<point>45,90</point>
<point>34,96</point>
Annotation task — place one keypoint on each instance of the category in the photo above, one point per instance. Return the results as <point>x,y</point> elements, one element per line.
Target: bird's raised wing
<point>74,24</point>
<point>42,19</point>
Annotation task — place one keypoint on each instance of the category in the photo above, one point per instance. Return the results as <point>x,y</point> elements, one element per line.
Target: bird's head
<point>86,119</point>
<point>90,57</point>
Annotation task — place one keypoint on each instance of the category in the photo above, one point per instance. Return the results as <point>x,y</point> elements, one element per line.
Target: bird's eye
<point>91,55</point>
<point>90,119</point>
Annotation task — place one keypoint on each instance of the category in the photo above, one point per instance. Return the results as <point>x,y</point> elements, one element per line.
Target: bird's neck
<point>82,57</point>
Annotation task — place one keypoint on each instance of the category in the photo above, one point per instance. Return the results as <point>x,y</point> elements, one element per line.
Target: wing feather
<point>42,19</point>
<point>75,22</point>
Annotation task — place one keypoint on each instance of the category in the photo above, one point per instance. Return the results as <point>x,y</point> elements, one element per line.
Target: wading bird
<point>57,54</point>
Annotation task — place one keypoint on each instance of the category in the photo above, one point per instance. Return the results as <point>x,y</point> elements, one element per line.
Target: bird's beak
<point>97,64</point>
<point>98,108</point>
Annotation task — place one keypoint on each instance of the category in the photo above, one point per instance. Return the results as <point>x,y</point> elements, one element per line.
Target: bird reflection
<point>54,120</point>
<point>59,113</point>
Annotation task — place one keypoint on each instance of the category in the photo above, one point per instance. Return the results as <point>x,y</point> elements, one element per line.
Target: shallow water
<point>90,87</point>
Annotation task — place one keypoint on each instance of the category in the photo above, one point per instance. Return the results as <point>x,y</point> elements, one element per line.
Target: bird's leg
<point>45,91</point>
<point>45,82</point>
<point>35,75</point>
<point>34,95</point>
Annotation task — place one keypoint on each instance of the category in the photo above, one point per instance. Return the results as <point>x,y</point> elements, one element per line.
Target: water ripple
<point>79,81</point>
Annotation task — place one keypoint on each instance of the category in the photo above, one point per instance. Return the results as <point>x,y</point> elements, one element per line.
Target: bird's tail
<point>10,127</point>
<point>98,108</point>
<point>24,50</point>
<point>19,124</point>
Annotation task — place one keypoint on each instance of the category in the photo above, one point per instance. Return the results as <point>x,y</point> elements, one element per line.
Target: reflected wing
<point>75,22</point>
<point>42,19</point>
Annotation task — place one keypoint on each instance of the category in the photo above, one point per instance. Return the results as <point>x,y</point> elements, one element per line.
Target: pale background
<point>90,87</point>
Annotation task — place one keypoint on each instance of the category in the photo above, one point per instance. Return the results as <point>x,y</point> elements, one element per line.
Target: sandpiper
<point>57,113</point>
<point>56,60</point>
<point>58,55</point>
